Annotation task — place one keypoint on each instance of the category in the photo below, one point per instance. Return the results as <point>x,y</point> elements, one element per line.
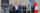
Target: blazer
<point>19,9</point>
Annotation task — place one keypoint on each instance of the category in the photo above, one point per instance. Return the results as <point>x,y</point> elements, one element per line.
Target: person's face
<point>18,3</point>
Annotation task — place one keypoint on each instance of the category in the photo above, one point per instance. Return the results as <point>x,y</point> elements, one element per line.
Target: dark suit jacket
<point>19,9</point>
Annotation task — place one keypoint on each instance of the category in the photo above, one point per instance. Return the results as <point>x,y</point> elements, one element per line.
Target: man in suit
<point>17,8</point>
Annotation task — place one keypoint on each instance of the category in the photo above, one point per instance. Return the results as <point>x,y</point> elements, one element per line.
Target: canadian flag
<point>35,7</point>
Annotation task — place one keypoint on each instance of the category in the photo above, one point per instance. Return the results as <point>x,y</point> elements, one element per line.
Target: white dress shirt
<point>16,7</point>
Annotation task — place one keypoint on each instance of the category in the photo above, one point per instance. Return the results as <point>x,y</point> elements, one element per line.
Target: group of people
<point>20,6</point>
